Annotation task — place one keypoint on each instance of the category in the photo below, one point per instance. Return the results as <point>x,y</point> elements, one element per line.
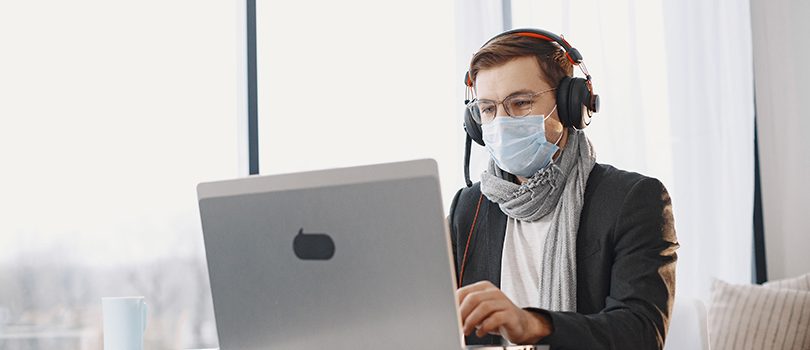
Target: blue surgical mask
<point>519,145</point>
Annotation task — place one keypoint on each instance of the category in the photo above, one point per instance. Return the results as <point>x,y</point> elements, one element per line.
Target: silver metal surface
<point>509,347</point>
<point>318,178</point>
<point>390,278</point>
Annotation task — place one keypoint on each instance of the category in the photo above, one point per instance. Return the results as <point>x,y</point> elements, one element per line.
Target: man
<point>552,247</point>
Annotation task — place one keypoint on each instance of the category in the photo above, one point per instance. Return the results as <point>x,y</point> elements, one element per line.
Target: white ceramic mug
<point>124,322</point>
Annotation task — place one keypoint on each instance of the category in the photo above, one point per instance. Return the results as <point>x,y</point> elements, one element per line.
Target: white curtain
<point>677,104</point>
<point>781,54</point>
<point>711,91</point>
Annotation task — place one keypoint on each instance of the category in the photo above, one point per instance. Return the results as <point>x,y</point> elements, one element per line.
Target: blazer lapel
<point>495,229</point>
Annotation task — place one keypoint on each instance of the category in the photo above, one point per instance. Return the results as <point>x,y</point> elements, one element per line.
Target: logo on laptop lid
<point>313,246</point>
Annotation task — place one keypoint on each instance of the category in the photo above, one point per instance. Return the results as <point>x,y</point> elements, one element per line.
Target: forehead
<point>519,73</point>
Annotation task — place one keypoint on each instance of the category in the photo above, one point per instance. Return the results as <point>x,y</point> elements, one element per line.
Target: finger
<point>493,323</point>
<point>477,314</point>
<point>473,299</point>
<point>463,292</point>
<point>481,312</point>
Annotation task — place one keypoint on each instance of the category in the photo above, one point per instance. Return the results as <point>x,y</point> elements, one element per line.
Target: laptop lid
<point>346,258</point>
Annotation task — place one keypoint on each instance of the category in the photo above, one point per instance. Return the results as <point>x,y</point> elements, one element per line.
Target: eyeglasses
<point>516,106</point>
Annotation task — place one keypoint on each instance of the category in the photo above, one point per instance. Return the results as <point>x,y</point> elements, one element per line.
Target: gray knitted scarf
<point>557,190</point>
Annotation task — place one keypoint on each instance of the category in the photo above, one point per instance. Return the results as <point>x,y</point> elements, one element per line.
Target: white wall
<point>782,73</point>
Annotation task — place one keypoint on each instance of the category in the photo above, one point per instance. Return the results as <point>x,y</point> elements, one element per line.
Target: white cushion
<point>798,283</point>
<point>758,317</point>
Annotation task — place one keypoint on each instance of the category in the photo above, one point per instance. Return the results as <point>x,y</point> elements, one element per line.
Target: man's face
<point>517,76</point>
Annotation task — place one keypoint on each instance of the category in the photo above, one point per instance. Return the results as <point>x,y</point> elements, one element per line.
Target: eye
<point>486,108</point>
<point>521,103</point>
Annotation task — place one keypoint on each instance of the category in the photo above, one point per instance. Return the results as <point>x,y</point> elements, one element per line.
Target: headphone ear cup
<point>579,99</point>
<point>563,101</point>
<point>573,99</point>
<point>472,128</point>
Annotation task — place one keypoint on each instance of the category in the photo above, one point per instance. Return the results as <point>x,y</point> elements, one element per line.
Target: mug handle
<point>143,315</point>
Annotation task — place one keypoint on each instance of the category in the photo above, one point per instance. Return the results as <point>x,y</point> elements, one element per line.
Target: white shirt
<point>522,258</point>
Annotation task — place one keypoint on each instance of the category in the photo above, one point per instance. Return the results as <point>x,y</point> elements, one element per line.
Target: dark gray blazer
<point>625,261</point>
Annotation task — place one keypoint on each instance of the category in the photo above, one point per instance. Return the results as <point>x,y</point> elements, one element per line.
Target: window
<point>376,83</point>
<point>111,113</point>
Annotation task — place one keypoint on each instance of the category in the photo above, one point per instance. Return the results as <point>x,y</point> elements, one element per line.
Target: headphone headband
<point>571,53</point>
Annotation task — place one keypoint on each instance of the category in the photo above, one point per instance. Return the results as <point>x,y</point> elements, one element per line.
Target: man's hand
<point>485,309</point>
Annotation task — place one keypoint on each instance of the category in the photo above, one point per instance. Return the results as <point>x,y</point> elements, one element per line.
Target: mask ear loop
<point>549,116</point>
<point>550,113</point>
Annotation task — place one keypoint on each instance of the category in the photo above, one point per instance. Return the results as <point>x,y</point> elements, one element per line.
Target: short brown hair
<point>550,56</point>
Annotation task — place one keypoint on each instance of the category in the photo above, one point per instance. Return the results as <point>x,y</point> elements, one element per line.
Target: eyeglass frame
<point>472,106</point>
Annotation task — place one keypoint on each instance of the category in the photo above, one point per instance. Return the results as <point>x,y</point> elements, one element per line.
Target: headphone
<point>576,101</point>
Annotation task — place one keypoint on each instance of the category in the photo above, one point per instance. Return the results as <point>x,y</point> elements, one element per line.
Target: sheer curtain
<point>677,104</point>
<point>781,55</point>
<point>711,95</point>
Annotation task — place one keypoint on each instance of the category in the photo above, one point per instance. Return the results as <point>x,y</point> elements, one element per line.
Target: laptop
<point>348,258</point>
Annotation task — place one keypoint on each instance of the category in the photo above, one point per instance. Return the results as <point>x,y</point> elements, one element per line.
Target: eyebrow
<point>521,91</point>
